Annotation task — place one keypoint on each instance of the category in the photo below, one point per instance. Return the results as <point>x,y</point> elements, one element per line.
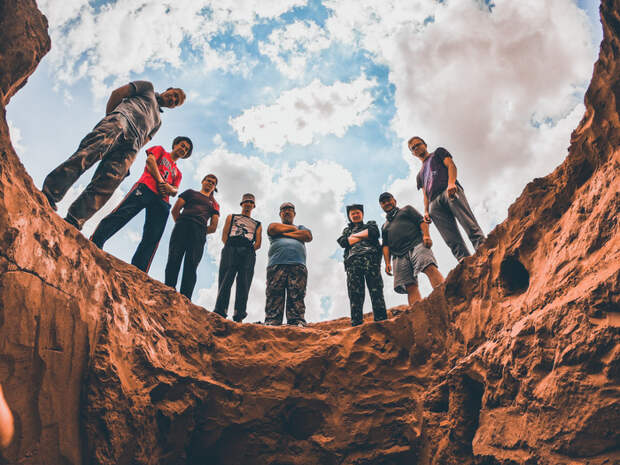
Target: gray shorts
<point>407,267</point>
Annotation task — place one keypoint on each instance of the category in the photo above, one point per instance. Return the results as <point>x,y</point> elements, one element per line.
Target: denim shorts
<point>407,267</point>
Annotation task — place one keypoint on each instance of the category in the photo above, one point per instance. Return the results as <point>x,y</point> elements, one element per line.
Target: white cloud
<point>116,39</point>
<point>16,139</point>
<point>290,47</point>
<point>134,236</point>
<point>93,222</point>
<point>301,115</point>
<point>500,90</point>
<point>317,190</point>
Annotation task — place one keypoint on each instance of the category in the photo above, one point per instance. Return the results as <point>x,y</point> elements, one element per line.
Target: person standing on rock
<point>242,237</point>
<point>196,214</point>
<point>444,198</point>
<point>161,179</point>
<point>132,118</point>
<point>406,241</point>
<point>362,262</point>
<point>287,275</point>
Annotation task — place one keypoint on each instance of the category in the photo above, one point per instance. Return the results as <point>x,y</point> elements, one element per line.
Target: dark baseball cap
<point>385,196</point>
<point>287,205</point>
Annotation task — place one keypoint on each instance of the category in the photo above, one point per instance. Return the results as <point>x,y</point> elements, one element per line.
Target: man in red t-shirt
<point>161,179</point>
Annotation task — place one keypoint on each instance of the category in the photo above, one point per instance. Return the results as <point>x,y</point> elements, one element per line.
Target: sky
<point>313,102</point>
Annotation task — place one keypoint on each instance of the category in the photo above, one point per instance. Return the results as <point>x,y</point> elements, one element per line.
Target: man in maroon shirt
<point>196,214</point>
<point>161,178</point>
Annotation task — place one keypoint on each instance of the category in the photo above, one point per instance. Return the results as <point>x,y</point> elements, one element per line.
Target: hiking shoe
<point>50,201</point>
<point>239,318</point>
<point>223,315</point>
<point>72,222</point>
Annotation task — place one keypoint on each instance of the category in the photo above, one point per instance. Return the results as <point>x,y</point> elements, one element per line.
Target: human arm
<point>6,422</point>
<point>388,260</point>
<point>117,96</point>
<point>176,210</point>
<point>212,223</point>
<point>427,216</point>
<point>303,235</point>
<point>226,230</point>
<point>343,240</point>
<point>277,229</point>
<point>426,237</point>
<point>447,161</point>
<point>259,237</point>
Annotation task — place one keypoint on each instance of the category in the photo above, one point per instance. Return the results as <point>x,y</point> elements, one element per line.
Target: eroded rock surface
<point>515,360</point>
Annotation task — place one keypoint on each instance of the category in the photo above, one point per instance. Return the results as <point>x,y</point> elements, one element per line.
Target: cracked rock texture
<point>515,360</point>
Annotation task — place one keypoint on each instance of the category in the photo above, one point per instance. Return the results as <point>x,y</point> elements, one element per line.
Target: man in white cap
<point>287,275</point>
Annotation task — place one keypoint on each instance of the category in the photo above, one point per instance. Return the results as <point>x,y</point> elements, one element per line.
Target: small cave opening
<point>514,277</point>
<point>465,405</point>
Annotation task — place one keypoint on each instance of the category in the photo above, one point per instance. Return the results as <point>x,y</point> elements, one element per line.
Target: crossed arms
<point>289,230</point>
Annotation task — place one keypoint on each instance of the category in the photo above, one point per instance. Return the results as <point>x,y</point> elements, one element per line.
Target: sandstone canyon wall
<point>514,360</point>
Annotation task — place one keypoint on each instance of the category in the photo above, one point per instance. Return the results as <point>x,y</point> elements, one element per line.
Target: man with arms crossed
<point>444,198</point>
<point>286,269</point>
<point>132,118</point>
<point>407,241</point>
<point>362,263</point>
<point>242,238</point>
<point>161,179</point>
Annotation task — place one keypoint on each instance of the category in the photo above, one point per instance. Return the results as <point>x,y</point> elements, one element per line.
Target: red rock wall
<point>515,360</point>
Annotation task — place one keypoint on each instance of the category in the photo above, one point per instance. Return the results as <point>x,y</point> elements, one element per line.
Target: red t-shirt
<point>167,168</point>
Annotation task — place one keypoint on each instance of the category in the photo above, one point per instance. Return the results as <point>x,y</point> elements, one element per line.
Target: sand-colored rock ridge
<point>514,360</point>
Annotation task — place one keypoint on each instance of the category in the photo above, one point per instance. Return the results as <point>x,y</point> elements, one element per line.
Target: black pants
<point>187,240</point>
<point>139,197</point>
<point>236,261</point>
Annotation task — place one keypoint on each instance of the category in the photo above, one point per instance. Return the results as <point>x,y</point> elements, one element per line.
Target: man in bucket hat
<point>242,238</point>
<point>362,262</point>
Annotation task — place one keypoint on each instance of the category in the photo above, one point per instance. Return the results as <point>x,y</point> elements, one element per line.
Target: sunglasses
<point>415,146</point>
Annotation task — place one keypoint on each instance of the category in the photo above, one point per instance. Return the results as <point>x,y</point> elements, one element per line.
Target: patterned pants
<point>113,143</point>
<point>359,269</point>
<point>290,280</point>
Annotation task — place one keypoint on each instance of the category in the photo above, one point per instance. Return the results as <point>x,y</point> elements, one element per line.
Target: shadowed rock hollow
<point>515,360</point>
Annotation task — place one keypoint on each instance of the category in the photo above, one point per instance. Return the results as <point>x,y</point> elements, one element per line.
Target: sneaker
<point>50,201</point>
<point>301,324</point>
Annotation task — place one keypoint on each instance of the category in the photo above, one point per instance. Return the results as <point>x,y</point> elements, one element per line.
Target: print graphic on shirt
<point>167,174</point>
<point>243,226</point>
<point>429,175</point>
